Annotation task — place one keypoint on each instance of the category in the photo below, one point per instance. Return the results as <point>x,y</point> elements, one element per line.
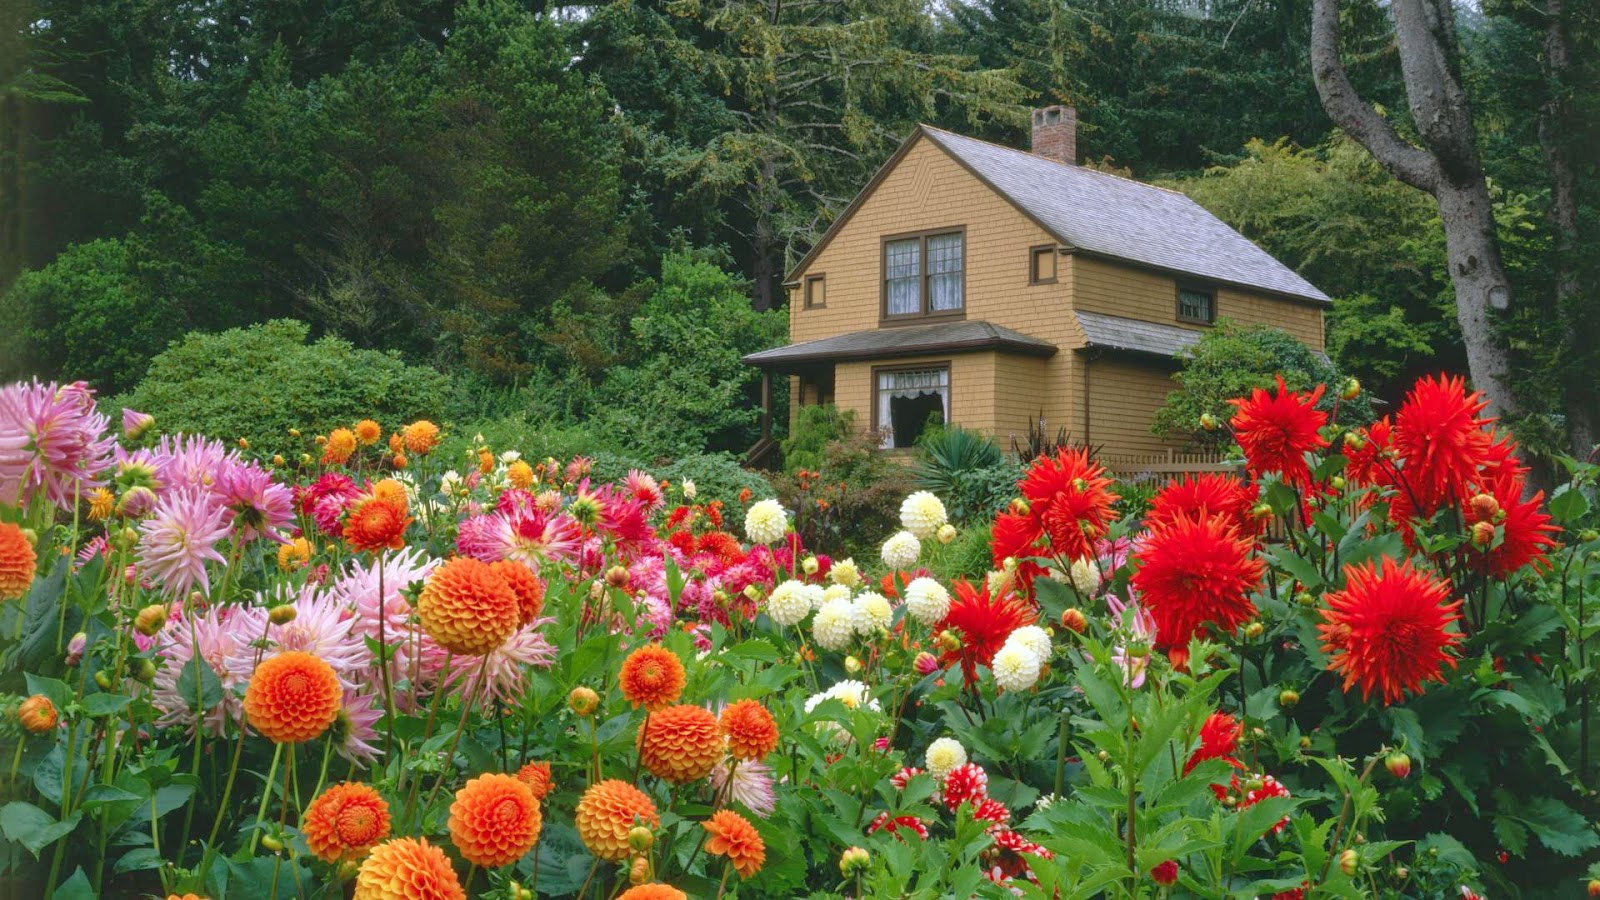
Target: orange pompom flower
<point>421,437</point>
<point>652,677</point>
<point>408,869</point>
<point>750,729</point>
<point>295,554</point>
<point>468,608</point>
<point>652,892</point>
<point>368,432</point>
<point>526,585</point>
<point>607,812</point>
<point>680,744</point>
<point>340,447</point>
<point>292,697</point>
<point>536,775</point>
<point>37,714</point>
<point>345,821</point>
<point>733,836</point>
<point>1196,570</point>
<point>520,474</point>
<point>376,524</point>
<point>391,492</point>
<point>18,562</point>
<point>1388,630</point>
<point>1277,430</point>
<point>495,820</point>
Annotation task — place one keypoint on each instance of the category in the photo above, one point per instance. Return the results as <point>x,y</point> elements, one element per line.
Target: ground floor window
<point>908,400</point>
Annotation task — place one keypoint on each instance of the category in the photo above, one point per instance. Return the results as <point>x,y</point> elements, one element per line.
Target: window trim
<point>1055,264</point>
<point>805,291</point>
<point>1191,287</point>
<point>950,392</point>
<point>926,314</point>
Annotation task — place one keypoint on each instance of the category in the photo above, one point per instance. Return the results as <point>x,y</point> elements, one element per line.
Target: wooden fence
<point>1169,462</point>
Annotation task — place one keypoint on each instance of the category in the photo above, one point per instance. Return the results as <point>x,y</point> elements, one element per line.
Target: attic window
<point>1197,305</point>
<point>816,292</point>
<point>1042,264</point>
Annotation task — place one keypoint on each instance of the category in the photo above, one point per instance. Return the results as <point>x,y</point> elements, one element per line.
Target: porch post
<point>766,404</point>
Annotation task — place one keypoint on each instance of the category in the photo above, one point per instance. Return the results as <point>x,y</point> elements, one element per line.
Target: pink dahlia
<point>261,507</point>
<point>322,626</point>
<point>644,489</point>
<point>355,732</point>
<point>192,460</point>
<point>180,537</point>
<point>532,538</point>
<point>53,442</point>
<point>219,635</point>
<point>748,783</point>
<point>504,669</point>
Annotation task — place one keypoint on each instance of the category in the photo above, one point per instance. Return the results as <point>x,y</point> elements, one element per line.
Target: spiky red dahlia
<point>1364,450</point>
<point>1441,438</point>
<point>1277,430</point>
<point>1209,492</point>
<point>1526,528</point>
<point>1388,631</point>
<point>1219,738</point>
<point>984,621</point>
<point>1196,570</point>
<point>1070,497</point>
<point>1015,536</point>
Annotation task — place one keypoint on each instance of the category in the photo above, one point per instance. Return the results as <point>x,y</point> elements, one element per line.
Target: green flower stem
<point>266,792</point>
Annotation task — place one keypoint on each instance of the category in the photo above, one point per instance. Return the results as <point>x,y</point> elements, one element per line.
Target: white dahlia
<point>834,625</point>
<point>1033,639</point>
<point>844,572</point>
<point>766,522</point>
<point>1015,667</point>
<point>944,755</point>
<point>870,612</point>
<point>922,514</point>
<point>902,550</point>
<point>789,603</point>
<point>927,601</point>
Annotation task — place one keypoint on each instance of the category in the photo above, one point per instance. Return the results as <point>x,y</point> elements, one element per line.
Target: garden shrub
<point>716,476</point>
<point>815,428</point>
<point>847,503</point>
<point>968,470</point>
<point>259,382</point>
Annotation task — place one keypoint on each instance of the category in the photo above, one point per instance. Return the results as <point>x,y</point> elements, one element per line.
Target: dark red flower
<point>1388,630</point>
<point>1196,570</point>
<point>983,622</point>
<point>1208,492</point>
<point>1069,496</point>
<point>1165,874</point>
<point>1276,431</point>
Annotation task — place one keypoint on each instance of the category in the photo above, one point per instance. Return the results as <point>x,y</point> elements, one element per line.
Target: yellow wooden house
<point>992,286</point>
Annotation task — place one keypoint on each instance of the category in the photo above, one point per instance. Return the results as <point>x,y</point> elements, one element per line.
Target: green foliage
<point>716,476</point>
<point>967,470</point>
<point>259,382</point>
<point>850,500</point>
<point>816,426</point>
<point>1232,360</point>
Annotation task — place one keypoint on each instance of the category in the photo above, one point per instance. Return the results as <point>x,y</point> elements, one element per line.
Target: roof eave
<point>932,348</point>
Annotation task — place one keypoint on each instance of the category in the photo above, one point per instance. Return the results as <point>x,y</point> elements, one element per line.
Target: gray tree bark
<point>1446,165</point>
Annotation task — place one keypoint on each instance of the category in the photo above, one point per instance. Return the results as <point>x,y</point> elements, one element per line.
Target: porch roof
<point>900,341</point>
<point>1134,335</point>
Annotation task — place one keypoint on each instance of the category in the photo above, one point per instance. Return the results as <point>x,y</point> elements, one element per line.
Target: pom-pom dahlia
<point>18,562</point>
<point>525,584</point>
<point>494,820</point>
<point>652,892</point>
<point>420,437</point>
<point>652,677</point>
<point>537,776</point>
<point>943,756</point>
<point>607,812</point>
<point>680,744</point>
<point>750,730</point>
<point>922,514</point>
<point>407,869</point>
<point>870,612</point>
<point>927,601</point>
<point>766,522</point>
<point>901,550</point>
<point>468,608</point>
<point>834,626</point>
<point>1016,667</point>
<point>345,821</point>
<point>292,697</point>
<point>733,836</point>
<point>789,603</point>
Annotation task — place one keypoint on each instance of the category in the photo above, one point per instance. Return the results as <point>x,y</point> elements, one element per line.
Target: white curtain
<point>909,383</point>
<point>902,266</point>
<point>944,272</point>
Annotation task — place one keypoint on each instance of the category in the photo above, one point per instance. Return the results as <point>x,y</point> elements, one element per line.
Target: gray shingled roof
<point>1124,219</point>
<point>1118,333</point>
<point>903,340</point>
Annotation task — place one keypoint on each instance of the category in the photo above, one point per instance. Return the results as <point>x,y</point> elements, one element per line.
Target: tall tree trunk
<point>1446,165</point>
<point>765,244</point>
<point>1581,333</point>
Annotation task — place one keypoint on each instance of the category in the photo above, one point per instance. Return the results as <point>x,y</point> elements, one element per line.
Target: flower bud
<point>1288,698</point>
<point>37,714</point>
<point>1261,510</point>
<point>244,444</point>
<point>1398,764</point>
<point>1166,873</point>
<point>1482,534</point>
<point>1401,873</point>
<point>281,615</point>
<point>641,838</point>
<point>272,842</point>
<point>75,648</point>
<point>136,502</point>
<point>277,459</point>
<point>150,619</point>
<point>126,539</point>
<point>1594,887</point>
<point>617,577</point>
<point>1337,482</point>
<point>1483,508</point>
<point>1305,742</point>
<point>752,593</point>
<point>1305,598</point>
<point>1349,861</point>
<point>1209,422</point>
<point>144,670</point>
<point>949,641</point>
<point>853,860</point>
<point>1254,630</point>
<point>809,565</point>
<point>1589,535</point>
<point>102,680</point>
<point>852,665</point>
<point>1351,390</point>
<point>305,459</point>
<point>1354,441</point>
<point>583,701</point>
<point>1020,506</point>
<point>946,533</point>
<point>1073,619</point>
<point>294,432</point>
<point>639,870</point>
<point>925,663</point>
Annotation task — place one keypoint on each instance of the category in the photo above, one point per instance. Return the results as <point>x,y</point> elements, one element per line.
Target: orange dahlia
<point>376,524</point>
<point>292,697</point>
<point>1196,571</point>
<point>295,554</point>
<point>421,437</point>
<point>18,562</point>
<point>495,820</point>
<point>606,814</point>
<point>368,432</point>
<point>1389,629</point>
<point>345,821</point>
<point>1277,430</point>
<point>37,714</point>
<point>407,869</point>
<point>652,892</point>
<point>391,492</point>
<point>680,744</point>
<point>652,677</point>
<point>733,836</point>
<point>1068,495</point>
<point>536,775</point>
<point>750,729</point>
<point>520,474</point>
<point>340,447</point>
<point>468,608</point>
<point>526,585</point>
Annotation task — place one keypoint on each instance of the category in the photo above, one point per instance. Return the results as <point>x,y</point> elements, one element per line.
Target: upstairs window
<point>816,292</point>
<point>924,275</point>
<point>1042,264</point>
<point>1196,305</point>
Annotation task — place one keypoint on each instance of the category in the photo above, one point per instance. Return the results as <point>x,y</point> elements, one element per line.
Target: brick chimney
<point>1055,133</point>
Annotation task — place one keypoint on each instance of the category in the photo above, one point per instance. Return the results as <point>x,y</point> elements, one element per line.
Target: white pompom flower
<point>834,625</point>
<point>923,514</point>
<point>766,522</point>
<point>1034,639</point>
<point>871,611</point>
<point>789,603</point>
<point>1085,576</point>
<point>1015,667</point>
<point>835,592</point>
<point>844,572</point>
<point>902,550</point>
<point>944,756</point>
<point>927,601</point>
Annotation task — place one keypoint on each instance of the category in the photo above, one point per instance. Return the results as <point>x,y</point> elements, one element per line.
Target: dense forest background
<point>581,213</point>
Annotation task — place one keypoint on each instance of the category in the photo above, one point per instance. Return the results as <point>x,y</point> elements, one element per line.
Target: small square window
<point>1195,305</point>
<point>816,292</point>
<point>1042,265</point>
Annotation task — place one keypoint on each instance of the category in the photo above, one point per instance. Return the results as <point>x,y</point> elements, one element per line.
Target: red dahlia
<point>1276,431</point>
<point>1363,453</point>
<point>1388,630</point>
<point>1069,495</point>
<point>984,622</point>
<point>1526,528</point>
<point>1438,433</point>
<point>1219,738</point>
<point>1209,492</point>
<point>1196,570</point>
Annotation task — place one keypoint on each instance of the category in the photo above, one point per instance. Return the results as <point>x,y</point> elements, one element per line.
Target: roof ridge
<point>1072,166</point>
